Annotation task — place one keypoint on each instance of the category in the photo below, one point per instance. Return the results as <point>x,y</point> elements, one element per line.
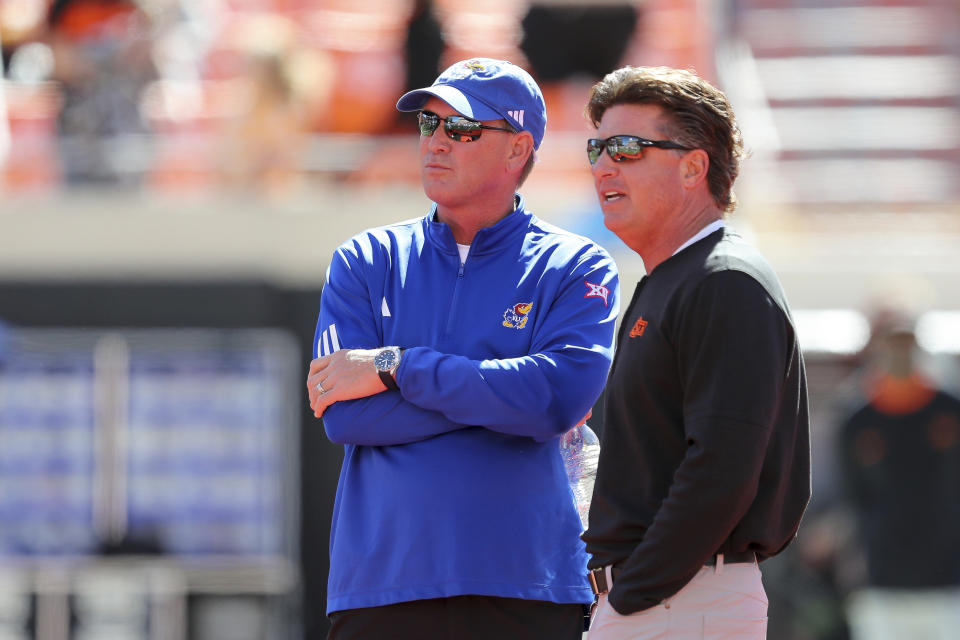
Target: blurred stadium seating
<point>864,99</point>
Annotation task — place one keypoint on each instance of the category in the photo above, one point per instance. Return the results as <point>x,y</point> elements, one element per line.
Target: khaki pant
<point>726,602</point>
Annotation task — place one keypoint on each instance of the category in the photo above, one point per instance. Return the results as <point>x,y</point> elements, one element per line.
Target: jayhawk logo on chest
<point>516,316</point>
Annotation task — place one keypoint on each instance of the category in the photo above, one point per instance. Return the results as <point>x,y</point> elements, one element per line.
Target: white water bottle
<point>580,448</point>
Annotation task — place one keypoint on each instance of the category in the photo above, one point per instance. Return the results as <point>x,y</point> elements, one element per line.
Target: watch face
<point>385,360</point>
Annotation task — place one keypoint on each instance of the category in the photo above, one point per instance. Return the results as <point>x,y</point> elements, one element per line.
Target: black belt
<point>598,577</point>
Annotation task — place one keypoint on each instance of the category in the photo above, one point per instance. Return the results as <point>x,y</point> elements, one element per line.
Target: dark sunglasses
<point>456,127</point>
<point>623,148</point>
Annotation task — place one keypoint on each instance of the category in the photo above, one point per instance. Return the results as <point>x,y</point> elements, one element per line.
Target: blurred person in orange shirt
<point>102,60</point>
<point>899,453</point>
<point>264,143</point>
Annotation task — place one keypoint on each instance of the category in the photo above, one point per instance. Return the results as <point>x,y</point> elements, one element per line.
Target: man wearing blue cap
<point>453,351</point>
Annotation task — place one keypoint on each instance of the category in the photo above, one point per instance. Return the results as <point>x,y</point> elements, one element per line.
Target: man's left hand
<point>346,374</point>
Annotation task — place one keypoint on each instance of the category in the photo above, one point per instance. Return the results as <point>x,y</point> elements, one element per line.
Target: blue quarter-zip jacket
<point>454,484</point>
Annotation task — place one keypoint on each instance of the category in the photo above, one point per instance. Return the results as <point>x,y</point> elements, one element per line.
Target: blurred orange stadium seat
<point>32,163</point>
<point>365,42</point>
<point>489,29</point>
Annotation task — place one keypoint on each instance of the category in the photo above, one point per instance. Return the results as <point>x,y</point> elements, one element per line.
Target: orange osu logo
<point>516,316</point>
<point>638,328</point>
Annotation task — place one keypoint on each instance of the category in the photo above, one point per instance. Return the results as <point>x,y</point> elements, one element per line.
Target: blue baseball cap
<point>487,89</point>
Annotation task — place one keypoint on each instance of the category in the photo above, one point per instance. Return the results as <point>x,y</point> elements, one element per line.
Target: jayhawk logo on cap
<point>469,69</point>
<point>516,316</point>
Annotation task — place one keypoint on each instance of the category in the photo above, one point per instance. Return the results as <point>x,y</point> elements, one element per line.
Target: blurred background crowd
<point>175,174</point>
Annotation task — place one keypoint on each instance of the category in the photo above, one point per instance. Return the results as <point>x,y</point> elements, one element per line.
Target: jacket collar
<point>488,239</point>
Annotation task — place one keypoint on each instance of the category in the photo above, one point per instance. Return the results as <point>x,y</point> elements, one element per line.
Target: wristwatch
<point>386,363</point>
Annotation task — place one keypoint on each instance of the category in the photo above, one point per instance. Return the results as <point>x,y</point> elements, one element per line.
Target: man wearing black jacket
<point>705,461</point>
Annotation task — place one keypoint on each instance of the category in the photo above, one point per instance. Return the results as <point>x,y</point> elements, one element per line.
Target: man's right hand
<point>346,374</point>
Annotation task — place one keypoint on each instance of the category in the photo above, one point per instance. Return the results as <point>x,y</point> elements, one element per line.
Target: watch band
<point>388,380</point>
